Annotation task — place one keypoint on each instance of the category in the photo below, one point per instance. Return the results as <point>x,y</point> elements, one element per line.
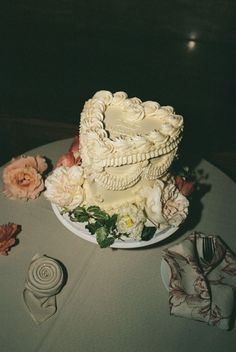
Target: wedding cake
<point>119,177</point>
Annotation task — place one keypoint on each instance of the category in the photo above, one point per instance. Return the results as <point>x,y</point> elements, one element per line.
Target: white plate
<point>165,274</point>
<point>80,230</point>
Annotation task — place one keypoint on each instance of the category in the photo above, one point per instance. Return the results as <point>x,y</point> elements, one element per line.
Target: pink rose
<point>22,178</point>
<point>185,187</point>
<point>74,148</point>
<point>72,157</point>
<point>66,159</point>
<point>7,232</point>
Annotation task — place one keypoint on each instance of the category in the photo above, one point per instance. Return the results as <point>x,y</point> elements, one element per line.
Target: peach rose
<point>22,178</point>
<point>72,157</point>
<point>7,231</point>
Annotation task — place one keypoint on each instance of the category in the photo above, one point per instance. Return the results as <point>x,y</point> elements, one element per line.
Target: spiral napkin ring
<point>44,280</point>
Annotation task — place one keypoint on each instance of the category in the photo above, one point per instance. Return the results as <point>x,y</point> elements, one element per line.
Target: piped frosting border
<point>98,147</point>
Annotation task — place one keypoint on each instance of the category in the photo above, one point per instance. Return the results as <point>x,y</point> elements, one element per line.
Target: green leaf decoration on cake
<point>107,242</point>
<point>92,227</point>
<point>79,214</point>
<point>103,225</point>
<point>103,238</point>
<point>102,233</point>
<point>111,222</point>
<point>98,214</point>
<point>148,233</point>
<point>93,208</point>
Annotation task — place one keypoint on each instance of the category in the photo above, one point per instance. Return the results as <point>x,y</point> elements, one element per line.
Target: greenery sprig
<point>103,225</point>
<point>99,223</point>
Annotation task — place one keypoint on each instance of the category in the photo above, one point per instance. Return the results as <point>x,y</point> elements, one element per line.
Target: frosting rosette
<point>64,187</point>
<point>104,95</point>
<point>135,109</point>
<point>119,97</point>
<point>150,107</point>
<point>165,205</point>
<point>130,221</point>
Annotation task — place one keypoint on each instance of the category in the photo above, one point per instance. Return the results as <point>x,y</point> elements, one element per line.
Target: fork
<point>208,249</point>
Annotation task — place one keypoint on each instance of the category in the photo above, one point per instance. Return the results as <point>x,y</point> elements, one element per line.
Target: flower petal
<point>7,231</point>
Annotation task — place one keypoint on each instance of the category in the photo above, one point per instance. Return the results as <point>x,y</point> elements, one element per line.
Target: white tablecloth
<point>113,300</point>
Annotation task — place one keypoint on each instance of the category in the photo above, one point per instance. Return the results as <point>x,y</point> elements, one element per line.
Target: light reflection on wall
<point>191,44</point>
<point>192,41</point>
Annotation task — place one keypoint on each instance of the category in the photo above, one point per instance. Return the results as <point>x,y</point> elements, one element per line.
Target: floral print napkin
<point>201,290</point>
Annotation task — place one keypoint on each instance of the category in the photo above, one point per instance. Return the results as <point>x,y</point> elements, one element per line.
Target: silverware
<point>208,249</point>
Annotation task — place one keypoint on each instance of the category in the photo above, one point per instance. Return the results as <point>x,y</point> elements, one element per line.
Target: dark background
<point>55,54</point>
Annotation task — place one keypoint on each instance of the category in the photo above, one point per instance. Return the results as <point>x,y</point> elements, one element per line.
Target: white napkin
<point>200,290</point>
<point>43,282</point>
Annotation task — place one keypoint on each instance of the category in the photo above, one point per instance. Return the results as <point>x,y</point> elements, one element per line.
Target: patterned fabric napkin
<point>43,282</point>
<point>200,289</point>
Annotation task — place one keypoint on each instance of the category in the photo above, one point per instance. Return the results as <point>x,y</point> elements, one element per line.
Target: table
<point>113,300</point>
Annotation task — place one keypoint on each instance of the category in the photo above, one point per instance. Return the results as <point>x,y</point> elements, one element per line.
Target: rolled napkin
<point>202,288</point>
<point>45,280</point>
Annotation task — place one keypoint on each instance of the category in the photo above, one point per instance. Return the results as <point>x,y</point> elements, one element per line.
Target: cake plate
<point>165,274</point>
<point>80,230</point>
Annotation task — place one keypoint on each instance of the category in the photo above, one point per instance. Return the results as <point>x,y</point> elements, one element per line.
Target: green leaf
<point>101,215</point>
<point>78,208</point>
<point>111,222</point>
<point>97,213</point>
<point>103,240</point>
<point>92,227</point>
<point>107,242</point>
<point>80,218</point>
<point>148,233</point>
<point>102,233</point>
<point>79,214</point>
<point>79,211</point>
<point>93,208</point>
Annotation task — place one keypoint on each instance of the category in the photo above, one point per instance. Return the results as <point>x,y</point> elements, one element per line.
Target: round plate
<point>80,230</point>
<point>165,274</point>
